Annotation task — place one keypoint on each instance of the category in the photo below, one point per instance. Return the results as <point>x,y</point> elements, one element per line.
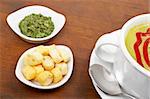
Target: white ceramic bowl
<point>14,18</point>
<point>19,75</point>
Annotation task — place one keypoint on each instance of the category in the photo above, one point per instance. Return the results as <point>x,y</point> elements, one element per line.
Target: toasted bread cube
<point>33,59</point>
<point>53,52</point>
<point>29,72</point>
<point>57,75</point>
<point>38,69</point>
<point>44,78</point>
<point>63,68</point>
<point>48,63</point>
<point>44,50</point>
<point>64,55</point>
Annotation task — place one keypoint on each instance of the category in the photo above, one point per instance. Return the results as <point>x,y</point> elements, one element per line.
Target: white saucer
<point>95,60</point>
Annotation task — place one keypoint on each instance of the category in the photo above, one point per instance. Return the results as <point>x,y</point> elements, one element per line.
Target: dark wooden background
<point>87,20</point>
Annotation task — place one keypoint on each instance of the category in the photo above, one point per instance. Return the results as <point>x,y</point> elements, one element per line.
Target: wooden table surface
<point>87,20</point>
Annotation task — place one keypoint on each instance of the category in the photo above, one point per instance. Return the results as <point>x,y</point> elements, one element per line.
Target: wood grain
<point>87,20</point>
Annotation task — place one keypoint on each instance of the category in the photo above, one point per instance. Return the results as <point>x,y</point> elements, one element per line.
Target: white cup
<point>112,49</point>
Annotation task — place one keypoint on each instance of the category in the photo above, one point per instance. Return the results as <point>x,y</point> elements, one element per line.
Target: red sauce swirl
<point>139,36</point>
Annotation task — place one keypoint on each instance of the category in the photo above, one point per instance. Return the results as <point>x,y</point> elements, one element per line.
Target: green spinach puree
<point>36,26</point>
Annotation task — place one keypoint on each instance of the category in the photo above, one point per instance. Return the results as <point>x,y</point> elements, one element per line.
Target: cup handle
<point>107,46</point>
